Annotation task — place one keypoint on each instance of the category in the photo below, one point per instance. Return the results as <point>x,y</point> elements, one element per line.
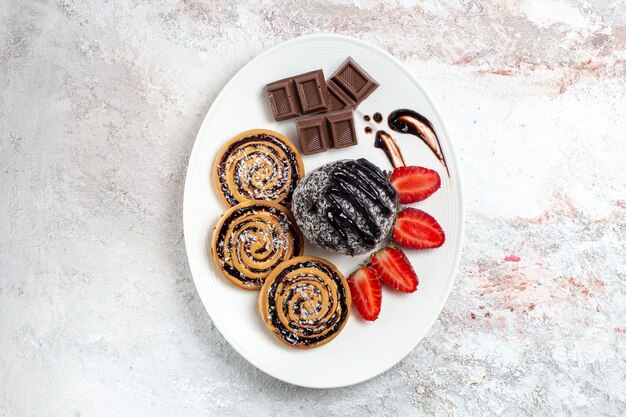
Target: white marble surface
<point>99,106</point>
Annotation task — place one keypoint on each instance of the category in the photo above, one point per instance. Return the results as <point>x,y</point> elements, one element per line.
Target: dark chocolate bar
<point>341,128</point>
<point>354,81</point>
<point>283,99</point>
<point>312,92</point>
<point>331,130</point>
<point>338,100</point>
<point>302,94</point>
<point>313,134</point>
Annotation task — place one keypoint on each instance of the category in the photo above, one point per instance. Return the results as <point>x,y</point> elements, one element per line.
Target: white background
<point>99,107</point>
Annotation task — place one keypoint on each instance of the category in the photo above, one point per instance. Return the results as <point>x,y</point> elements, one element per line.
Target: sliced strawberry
<point>417,229</point>
<point>414,183</point>
<point>394,269</point>
<point>366,292</point>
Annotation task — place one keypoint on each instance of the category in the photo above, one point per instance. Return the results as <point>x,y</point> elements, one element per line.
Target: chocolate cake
<point>346,206</point>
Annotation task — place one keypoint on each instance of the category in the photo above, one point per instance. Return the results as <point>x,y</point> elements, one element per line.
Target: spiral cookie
<point>305,301</point>
<point>251,239</point>
<point>257,165</point>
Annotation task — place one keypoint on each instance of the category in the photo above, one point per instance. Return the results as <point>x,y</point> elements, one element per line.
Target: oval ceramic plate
<point>363,350</point>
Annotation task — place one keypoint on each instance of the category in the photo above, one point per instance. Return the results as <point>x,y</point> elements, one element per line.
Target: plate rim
<point>450,155</point>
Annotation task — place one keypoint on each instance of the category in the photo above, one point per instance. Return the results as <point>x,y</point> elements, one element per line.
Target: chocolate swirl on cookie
<point>257,165</point>
<point>305,302</point>
<point>251,239</point>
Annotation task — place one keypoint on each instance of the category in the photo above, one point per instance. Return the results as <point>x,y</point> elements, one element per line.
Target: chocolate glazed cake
<point>346,206</point>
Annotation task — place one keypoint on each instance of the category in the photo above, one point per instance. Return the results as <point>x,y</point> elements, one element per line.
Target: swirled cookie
<point>251,239</point>
<point>257,165</point>
<point>305,302</point>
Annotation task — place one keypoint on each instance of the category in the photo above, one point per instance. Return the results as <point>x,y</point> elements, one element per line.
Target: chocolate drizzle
<point>413,123</point>
<point>346,209</point>
<point>388,144</point>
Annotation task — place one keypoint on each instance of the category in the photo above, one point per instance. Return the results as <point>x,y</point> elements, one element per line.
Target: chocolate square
<point>354,81</point>
<point>312,91</point>
<point>313,134</point>
<point>341,128</point>
<point>338,100</point>
<point>283,100</point>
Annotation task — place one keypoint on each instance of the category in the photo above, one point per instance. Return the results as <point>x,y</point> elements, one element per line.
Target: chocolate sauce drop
<point>366,118</point>
<point>368,130</point>
<point>378,117</point>
<point>413,123</point>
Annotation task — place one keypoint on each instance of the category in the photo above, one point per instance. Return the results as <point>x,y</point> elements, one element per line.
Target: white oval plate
<point>363,349</point>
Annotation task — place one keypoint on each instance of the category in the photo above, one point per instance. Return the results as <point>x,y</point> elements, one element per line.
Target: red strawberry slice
<point>417,229</point>
<point>414,183</point>
<point>394,269</point>
<point>366,292</point>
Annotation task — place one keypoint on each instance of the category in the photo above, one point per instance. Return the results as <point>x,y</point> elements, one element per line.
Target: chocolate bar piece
<point>313,134</point>
<point>283,100</point>
<point>338,100</point>
<point>312,92</point>
<point>341,128</point>
<point>354,81</point>
<point>302,94</point>
<point>331,130</point>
